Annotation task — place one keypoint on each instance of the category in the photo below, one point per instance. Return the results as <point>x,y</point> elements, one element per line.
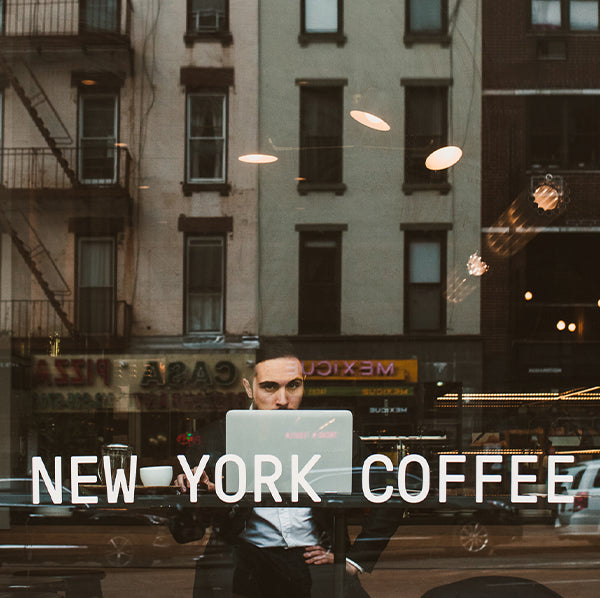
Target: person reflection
<point>277,549</point>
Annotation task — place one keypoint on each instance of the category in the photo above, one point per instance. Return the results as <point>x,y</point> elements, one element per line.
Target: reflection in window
<point>320,282</point>
<point>206,137</point>
<point>425,119</point>
<point>321,134</point>
<point>205,284</point>
<point>97,137</point>
<point>564,132</point>
<point>99,16</point>
<point>576,15</point>
<point>207,16</point>
<point>95,285</point>
<point>425,267</point>
<point>426,16</point>
<point>321,16</point>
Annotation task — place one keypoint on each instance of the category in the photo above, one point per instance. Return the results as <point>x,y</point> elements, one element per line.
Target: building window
<point>205,284</point>
<point>320,282</point>
<point>99,16</point>
<point>425,273</point>
<point>95,285</point>
<point>564,132</point>
<point>425,130</point>
<point>569,15</point>
<point>206,137</point>
<point>561,287</point>
<point>321,128</point>
<point>427,17</point>
<point>98,125</point>
<point>321,20</point>
<point>208,18</point>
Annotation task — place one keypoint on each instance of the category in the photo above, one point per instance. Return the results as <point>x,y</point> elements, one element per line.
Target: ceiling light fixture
<point>444,157</point>
<point>369,120</point>
<point>258,158</point>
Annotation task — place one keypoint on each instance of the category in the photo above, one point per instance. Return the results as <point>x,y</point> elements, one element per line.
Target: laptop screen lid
<point>283,433</point>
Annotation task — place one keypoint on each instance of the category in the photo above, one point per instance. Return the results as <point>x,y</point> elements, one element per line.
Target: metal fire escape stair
<point>31,107</point>
<point>26,254</point>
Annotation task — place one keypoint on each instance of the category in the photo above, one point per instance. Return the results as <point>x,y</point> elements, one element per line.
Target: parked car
<point>111,536</point>
<point>581,518</point>
<point>460,524</point>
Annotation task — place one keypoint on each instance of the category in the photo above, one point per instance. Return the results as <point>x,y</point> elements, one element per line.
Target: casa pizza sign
<point>137,383</point>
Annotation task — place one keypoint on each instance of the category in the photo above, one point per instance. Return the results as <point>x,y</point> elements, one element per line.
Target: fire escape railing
<point>37,168</point>
<point>42,18</point>
<point>37,318</point>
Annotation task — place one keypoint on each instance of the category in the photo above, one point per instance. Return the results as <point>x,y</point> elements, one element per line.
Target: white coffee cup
<point>159,475</point>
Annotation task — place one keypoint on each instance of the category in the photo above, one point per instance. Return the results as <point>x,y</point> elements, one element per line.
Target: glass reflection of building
<point>143,265</point>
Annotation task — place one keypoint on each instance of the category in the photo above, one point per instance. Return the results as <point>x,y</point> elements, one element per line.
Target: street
<point>572,569</point>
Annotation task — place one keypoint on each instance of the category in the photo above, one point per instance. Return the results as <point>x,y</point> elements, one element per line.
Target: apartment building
<point>363,250</point>
<point>129,225</point>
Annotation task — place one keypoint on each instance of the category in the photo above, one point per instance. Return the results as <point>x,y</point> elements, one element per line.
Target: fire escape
<point>53,170</point>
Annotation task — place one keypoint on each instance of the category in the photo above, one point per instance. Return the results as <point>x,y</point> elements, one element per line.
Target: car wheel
<point>119,551</point>
<point>473,538</point>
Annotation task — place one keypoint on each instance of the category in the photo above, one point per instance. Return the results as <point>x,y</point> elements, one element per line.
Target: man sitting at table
<point>275,546</point>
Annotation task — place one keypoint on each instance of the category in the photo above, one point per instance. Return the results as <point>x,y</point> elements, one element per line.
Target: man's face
<point>277,384</point>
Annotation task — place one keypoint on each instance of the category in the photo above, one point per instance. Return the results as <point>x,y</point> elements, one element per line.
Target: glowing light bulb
<point>546,197</point>
<point>560,325</point>
<point>528,295</point>
<point>572,327</point>
<point>476,266</point>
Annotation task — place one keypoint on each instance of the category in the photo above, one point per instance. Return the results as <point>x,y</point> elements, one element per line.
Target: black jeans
<point>283,573</point>
<point>270,572</point>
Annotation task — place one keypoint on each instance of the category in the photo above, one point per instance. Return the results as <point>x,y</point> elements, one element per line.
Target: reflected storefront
<point>231,208</point>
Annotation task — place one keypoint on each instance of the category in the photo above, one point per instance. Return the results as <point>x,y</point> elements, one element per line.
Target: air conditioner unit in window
<point>209,19</point>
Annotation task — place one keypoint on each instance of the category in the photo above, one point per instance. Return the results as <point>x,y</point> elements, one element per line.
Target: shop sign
<point>359,391</point>
<point>361,369</point>
<point>133,383</point>
<point>121,482</point>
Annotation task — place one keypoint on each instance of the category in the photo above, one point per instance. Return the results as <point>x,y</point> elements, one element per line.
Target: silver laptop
<point>283,433</point>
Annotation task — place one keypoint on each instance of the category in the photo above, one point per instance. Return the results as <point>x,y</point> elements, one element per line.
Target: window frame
<point>568,106</point>
<point>441,238</point>
<point>308,183</point>
<point>416,36</point>
<point>565,25</point>
<point>82,98</point>
<point>438,180</point>
<point>307,37</point>
<point>81,238</point>
<point>329,235</point>
<point>222,35</point>
<point>207,183</point>
<point>189,238</point>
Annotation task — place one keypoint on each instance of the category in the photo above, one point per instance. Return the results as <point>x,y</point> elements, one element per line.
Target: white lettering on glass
<point>54,490</point>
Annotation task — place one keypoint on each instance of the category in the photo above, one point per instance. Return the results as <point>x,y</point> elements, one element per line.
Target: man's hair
<point>276,350</point>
